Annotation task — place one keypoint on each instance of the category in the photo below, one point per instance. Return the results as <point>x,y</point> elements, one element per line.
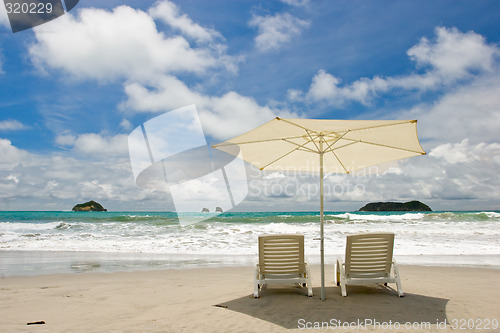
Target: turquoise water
<point>108,241</point>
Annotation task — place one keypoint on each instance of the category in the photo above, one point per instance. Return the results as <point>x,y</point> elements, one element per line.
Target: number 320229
<point>28,8</point>
<point>474,324</point>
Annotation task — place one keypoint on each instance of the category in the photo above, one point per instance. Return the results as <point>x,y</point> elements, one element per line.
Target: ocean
<point>34,243</point>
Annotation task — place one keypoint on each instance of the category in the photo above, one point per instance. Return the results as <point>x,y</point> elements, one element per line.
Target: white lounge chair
<point>281,261</point>
<point>368,259</point>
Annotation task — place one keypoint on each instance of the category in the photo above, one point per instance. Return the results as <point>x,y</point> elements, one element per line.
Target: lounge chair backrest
<point>369,255</point>
<point>281,255</point>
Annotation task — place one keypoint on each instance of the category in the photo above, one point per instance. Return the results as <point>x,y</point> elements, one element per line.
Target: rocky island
<point>90,206</point>
<point>410,206</point>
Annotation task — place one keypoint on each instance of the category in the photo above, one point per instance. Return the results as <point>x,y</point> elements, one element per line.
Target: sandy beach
<point>437,299</point>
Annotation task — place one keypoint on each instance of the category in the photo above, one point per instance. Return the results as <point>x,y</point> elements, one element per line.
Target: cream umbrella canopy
<point>325,146</point>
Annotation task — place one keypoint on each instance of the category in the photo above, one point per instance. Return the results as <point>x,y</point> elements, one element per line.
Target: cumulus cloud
<point>451,57</point>
<point>120,44</point>
<point>11,156</point>
<point>11,125</point>
<point>454,55</point>
<point>222,116</point>
<point>97,145</point>
<point>275,31</point>
<point>464,152</point>
<point>56,181</point>
<point>65,139</point>
<point>468,112</point>
<point>169,13</point>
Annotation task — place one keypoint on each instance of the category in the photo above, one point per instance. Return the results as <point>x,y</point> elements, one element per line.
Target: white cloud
<point>169,13</point>
<point>65,139</point>
<point>453,56</point>
<point>96,145</point>
<point>468,112</point>
<point>11,156</point>
<point>126,124</point>
<point>124,43</point>
<point>11,125</point>
<point>275,31</point>
<point>464,152</point>
<point>56,181</point>
<point>325,87</point>
<point>222,117</point>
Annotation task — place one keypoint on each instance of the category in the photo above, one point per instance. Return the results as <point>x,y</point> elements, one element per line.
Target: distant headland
<point>410,206</point>
<point>90,206</point>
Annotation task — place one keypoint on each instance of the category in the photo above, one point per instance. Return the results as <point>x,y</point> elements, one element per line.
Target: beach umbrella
<point>325,146</point>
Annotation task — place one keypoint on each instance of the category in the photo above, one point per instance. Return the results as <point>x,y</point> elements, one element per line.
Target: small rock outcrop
<point>410,206</point>
<point>90,206</point>
<point>205,210</point>
<point>218,209</point>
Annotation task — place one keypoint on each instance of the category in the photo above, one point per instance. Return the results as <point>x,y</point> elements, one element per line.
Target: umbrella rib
<point>347,144</point>
<point>226,143</point>
<point>357,129</point>
<point>301,147</point>
<point>310,136</point>
<point>335,141</point>
<point>384,125</point>
<point>338,159</point>
<point>292,123</point>
<point>283,156</point>
<point>329,148</point>
<point>376,144</point>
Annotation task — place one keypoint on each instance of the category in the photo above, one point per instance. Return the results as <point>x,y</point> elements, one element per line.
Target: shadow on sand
<point>289,308</point>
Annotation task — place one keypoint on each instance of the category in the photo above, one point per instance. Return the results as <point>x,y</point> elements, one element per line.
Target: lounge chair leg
<point>308,281</point>
<point>256,292</point>
<point>400,288</point>
<point>398,280</point>
<point>343,288</point>
<point>337,273</point>
<point>256,285</point>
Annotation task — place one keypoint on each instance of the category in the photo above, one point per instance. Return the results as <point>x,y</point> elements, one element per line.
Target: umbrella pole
<point>322,238</point>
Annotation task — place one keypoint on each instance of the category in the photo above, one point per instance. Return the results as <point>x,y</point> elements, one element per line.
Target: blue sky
<point>72,90</point>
